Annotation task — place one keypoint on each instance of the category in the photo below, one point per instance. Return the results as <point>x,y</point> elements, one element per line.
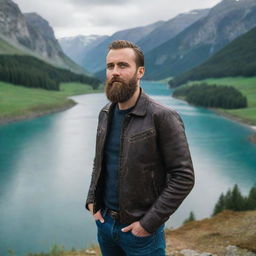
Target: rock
<point>232,250</point>
<point>90,252</point>
<point>188,252</point>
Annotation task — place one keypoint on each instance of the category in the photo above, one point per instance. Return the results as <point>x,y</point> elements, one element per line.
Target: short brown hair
<point>120,44</point>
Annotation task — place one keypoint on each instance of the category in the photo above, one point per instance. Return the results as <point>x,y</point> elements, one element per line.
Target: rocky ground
<point>228,233</point>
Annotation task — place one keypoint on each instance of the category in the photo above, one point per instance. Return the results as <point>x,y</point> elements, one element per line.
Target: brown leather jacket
<point>155,167</point>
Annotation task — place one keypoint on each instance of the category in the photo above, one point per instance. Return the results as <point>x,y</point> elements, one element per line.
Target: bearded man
<point>142,167</point>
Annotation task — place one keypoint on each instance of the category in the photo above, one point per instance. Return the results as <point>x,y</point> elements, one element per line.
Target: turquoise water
<point>45,168</point>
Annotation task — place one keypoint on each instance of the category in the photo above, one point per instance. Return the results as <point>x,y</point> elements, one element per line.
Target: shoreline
<point>246,122</point>
<point>70,103</point>
<point>44,102</point>
<point>6,120</point>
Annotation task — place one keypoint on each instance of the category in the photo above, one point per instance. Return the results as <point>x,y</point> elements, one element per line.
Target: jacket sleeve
<point>90,195</point>
<point>176,157</point>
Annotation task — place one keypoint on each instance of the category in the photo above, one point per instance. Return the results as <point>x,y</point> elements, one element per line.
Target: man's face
<point>122,75</point>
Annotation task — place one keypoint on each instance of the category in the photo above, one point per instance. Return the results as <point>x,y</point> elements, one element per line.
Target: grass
<point>18,101</point>
<point>247,86</point>
<point>215,234</point>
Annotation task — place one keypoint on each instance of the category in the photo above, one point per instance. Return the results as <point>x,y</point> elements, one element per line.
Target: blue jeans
<point>114,242</point>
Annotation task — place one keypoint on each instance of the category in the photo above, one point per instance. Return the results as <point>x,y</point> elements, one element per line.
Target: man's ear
<point>140,72</point>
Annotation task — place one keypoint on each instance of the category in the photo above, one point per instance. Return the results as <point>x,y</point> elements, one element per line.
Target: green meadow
<point>19,101</point>
<point>247,86</point>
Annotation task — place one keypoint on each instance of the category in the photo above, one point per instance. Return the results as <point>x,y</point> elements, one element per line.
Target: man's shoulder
<point>163,115</point>
<point>106,107</point>
<point>103,111</point>
<point>159,110</point>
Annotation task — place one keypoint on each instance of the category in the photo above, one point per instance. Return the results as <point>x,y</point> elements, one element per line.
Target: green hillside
<point>6,48</point>
<point>238,58</point>
<point>212,96</point>
<point>247,86</point>
<point>34,73</point>
<point>18,102</point>
<point>9,49</point>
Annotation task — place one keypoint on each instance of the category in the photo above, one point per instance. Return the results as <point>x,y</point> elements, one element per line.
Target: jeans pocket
<point>142,237</point>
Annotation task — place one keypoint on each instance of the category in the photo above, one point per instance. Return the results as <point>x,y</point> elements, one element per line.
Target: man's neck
<point>131,102</point>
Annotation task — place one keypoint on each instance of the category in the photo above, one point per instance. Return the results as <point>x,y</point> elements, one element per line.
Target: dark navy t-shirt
<point>111,159</point>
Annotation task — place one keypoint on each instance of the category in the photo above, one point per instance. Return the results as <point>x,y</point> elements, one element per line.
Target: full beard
<point>119,91</point>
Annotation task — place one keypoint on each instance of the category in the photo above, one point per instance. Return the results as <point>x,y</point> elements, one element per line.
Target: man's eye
<point>122,65</point>
<point>109,67</point>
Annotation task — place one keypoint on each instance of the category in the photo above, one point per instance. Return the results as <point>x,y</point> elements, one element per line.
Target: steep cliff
<point>32,35</point>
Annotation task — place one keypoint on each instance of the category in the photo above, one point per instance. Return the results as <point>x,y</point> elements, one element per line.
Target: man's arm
<point>90,195</point>
<point>179,171</point>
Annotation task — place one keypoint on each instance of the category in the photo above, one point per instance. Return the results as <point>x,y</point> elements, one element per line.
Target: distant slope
<point>78,46</point>
<point>238,58</point>
<point>163,32</point>
<point>225,21</point>
<point>94,60</point>
<point>52,52</point>
<point>169,29</point>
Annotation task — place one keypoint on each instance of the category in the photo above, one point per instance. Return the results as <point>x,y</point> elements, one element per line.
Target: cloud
<point>73,17</point>
<point>98,2</point>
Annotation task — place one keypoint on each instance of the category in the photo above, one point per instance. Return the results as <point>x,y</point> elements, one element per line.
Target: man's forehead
<point>124,54</point>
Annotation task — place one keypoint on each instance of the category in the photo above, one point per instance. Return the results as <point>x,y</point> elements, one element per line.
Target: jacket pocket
<point>142,135</point>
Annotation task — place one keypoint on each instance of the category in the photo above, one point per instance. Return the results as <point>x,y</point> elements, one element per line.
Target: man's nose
<point>115,71</point>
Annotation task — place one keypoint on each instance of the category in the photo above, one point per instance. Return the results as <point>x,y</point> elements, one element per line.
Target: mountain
<point>94,60</point>
<point>146,38</point>
<point>225,21</point>
<point>33,35</point>
<point>77,46</point>
<point>238,58</point>
<point>169,29</point>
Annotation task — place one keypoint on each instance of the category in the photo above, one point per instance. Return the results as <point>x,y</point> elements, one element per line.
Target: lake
<point>46,164</point>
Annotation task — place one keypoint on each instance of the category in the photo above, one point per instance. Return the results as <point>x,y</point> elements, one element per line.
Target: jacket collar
<point>140,107</point>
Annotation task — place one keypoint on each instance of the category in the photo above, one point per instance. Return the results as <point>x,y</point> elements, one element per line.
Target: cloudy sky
<point>104,17</point>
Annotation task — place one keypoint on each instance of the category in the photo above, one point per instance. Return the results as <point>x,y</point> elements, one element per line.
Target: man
<point>142,168</point>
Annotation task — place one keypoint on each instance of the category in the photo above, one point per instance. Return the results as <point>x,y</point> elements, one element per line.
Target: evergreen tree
<point>220,205</point>
<point>251,200</point>
<point>190,218</point>
<point>31,72</point>
<point>235,201</point>
<point>212,96</point>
